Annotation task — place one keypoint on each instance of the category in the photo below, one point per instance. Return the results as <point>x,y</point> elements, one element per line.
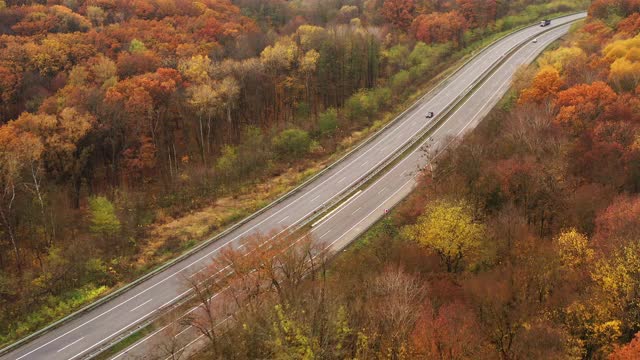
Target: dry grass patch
<point>174,235</point>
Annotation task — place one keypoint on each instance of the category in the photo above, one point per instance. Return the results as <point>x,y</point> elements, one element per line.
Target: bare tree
<point>394,299</point>
<point>244,283</point>
<point>172,348</point>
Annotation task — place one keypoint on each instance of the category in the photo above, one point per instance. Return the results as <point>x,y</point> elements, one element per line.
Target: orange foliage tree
<point>580,105</point>
<point>544,89</point>
<point>439,27</point>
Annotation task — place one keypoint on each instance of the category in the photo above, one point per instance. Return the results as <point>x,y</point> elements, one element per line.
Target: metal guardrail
<point>435,122</point>
<point>375,171</point>
<point>355,188</point>
<point>257,213</point>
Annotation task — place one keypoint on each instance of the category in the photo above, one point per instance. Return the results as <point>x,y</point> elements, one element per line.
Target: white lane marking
<point>283,219</point>
<point>369,214</point>
<point>112,335</point>
<point>184,347</point>
<point>334,211</point>
<point>181,332</point>
<point>139,306</point>
<point>341,180</point>
<point>404,172</point>
<point>325,234</point>
<point>364,163</point>
<point>409,156</point>
<point>139,342</point>
<point>358,209</point>
<point>413,153</point>
<point>382,190</point>
<point>70,344</point>
<point>198,338</point>
<point>229,241</point>
<point>315,198</point>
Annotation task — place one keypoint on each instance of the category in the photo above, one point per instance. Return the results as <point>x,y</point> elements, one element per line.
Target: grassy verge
<point>381,226</point>
<point>186,232</point>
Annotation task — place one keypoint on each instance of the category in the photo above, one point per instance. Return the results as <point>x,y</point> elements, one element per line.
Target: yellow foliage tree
<point>310,36</point>
<point>448,229</point>
<point>624,56</point>
<point>196,69</point>
<point>559,58</point>
<point>618,280</point>
<point>573,248</point>
<point>280,56</point>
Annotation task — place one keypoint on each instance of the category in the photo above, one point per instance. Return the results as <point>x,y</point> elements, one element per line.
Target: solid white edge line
<point>230,241</point>
<point>392,195</point>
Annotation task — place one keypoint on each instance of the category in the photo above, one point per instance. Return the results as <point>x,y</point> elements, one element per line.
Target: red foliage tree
<point>478,13</point>
<point>598,161</point>
<point>630,351</point>
<point>399,13</point>
<point>617,223</point>
<point>438,335</point>
<point>630,26</point>
<point>439,27</point>
<point>137,63</point>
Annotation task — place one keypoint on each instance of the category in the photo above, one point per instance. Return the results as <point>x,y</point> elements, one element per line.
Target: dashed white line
<point>71,344</point>
<point>139,342</point>
<point>283,219</point>
<point>341,180</point>
<point>358,209</point>
<point>315,198</point>
<point>325,234</point>
<point>139,306</point>
<point>157,284</point>
<point>113,334</point>
<point>364,164</point>
<point>382,190</point>
<point>185,329</point>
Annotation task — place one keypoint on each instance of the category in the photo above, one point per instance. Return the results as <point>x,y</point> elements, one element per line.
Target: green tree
<point>227,163</point>
<point>103,219</point>
<point>448,229</point>
<point>292,340</point>
<point>292,143</point>
<point>328,121</point>
<point>137,46</point>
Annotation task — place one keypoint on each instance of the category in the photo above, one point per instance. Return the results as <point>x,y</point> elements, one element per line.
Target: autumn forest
<point>132,130</point>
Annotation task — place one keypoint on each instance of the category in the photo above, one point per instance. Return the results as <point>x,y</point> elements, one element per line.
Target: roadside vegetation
<point>129,131</point>
<point>522,244</point>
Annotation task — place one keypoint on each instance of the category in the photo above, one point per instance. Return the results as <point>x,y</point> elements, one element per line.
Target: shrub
<point>103,219</point>
<point>227,163</point>
<point>400,81</point>
<point>328,122</point>
<point>292,143</point>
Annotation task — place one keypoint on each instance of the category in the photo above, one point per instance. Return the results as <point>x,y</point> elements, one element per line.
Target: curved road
<point>87,333</point>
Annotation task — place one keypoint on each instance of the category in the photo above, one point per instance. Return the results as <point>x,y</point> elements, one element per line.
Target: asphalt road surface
<point>87,333</point>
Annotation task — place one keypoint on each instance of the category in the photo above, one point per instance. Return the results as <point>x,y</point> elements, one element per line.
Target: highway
<point>87,333</point>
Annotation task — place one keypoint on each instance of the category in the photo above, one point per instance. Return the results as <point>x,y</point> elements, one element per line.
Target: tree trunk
<point>7,223</point>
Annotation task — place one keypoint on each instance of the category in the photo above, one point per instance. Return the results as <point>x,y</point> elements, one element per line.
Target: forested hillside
<point>121,119</point>
<point>523,243</point>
